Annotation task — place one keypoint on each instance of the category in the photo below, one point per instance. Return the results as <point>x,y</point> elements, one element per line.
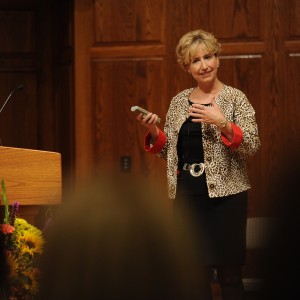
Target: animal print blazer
<point>225,162</point>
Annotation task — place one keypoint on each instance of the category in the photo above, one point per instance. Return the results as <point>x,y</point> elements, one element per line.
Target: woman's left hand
<point>206,114</point>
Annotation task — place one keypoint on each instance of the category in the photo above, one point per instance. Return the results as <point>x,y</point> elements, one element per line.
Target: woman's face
<point>203,66</point>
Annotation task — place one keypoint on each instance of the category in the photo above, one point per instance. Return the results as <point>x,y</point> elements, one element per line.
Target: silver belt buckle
<point>193,172</point>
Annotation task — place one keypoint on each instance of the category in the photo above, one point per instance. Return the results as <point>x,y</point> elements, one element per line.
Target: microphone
<point>19,87</point>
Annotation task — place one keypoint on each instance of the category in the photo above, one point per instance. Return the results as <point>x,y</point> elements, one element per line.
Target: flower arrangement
<point>23,244</point>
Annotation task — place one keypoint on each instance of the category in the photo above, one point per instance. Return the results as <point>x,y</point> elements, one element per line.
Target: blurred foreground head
<point>115,239</point>
<point>281,260</point>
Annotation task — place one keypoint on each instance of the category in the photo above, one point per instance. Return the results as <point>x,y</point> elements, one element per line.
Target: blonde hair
<point>190,42</point>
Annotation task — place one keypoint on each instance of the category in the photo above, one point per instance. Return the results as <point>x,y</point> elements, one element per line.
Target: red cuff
<point>158,145</point>
<point>237,137</point>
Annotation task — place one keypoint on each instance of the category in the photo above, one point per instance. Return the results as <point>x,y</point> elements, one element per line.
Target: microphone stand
<point>19,87</point>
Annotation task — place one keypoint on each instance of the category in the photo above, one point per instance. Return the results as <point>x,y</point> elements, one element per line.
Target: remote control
<point>138,109</point>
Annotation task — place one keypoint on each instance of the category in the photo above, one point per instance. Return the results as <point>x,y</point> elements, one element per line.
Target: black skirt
<point>219,223</point>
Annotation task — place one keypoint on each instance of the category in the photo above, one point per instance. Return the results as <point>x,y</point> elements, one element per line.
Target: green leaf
<point>6,210</point>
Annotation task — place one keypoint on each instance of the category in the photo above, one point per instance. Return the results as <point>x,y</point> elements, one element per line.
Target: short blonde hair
<point>189,43</point>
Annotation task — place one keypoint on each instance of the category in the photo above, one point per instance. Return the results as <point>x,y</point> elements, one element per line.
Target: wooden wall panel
<point>120,84</point>
<point>236,20</point>
<point>18,66</point>
<point>293,19</point>
<point>292,55</point>
<point>18,121</point>
<point>64,120</point>
<point>63,85</point>
<point>128,21</point>
<point>178,20</point>
<point>84,40</point>
<point>292,109</point>
<point>22,26</point>
<point>272,93</point>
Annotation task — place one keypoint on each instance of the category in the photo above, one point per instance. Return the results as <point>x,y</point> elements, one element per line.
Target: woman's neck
<point>204,94</point>
<point>211,88</point>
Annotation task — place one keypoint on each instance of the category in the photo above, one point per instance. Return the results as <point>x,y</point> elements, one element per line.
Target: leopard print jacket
<point>225,168</point>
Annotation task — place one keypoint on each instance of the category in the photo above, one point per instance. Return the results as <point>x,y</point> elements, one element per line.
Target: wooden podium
<point>32,177</point>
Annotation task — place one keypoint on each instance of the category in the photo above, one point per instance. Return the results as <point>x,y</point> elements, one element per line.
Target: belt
<point>192,167</point>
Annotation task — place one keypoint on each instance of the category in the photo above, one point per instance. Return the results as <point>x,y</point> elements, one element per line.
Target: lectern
<point>32,177</point>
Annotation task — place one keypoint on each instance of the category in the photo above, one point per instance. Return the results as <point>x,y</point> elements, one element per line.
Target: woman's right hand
<point>149,122</point>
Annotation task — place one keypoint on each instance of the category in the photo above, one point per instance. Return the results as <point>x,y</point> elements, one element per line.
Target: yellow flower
<point>28,238</point>
<point>31,243</point>
<point>32,276</point>
<point>22,225</point>
<point>13,264</point>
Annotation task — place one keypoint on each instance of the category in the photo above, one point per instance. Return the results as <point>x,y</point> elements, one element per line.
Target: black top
<point>189,146</point>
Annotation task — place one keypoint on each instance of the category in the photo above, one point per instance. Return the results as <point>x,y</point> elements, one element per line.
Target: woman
<point>210,131</point>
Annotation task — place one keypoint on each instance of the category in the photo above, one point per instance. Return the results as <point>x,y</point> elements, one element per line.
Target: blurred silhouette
<point>281,262</point>
<point>116,239</point>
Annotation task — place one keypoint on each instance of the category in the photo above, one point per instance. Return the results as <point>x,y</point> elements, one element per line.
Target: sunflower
<point>32,281</point>
<point>13,264</point>
<point>31,243</point>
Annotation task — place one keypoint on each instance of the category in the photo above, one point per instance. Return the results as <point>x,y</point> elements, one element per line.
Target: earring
<point>190,72</point>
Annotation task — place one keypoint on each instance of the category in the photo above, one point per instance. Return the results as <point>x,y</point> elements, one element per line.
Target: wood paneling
<point>128,21</point>
<point>116,130</point>
<point>293,19</point>
<point>291,66</point>
<point>63,85</point>
<point>22,106</point>
<point>292,109</point>
<point>233,20</point>
<point>22,26</point>
<point>84,40</point>
<point>18,66</point>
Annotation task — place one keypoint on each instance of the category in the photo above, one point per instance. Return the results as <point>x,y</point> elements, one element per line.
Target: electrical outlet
<point>125,164</point>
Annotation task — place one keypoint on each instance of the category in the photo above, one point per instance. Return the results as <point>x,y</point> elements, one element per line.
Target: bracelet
<point>223,124</point>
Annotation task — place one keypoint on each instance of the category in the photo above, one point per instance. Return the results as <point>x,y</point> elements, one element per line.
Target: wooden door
<point>119,62</point>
